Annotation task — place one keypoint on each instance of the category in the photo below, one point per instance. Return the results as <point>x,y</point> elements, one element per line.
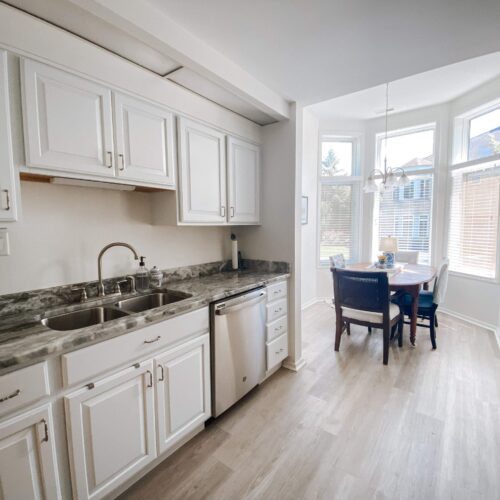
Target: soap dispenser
<point>142,276</point>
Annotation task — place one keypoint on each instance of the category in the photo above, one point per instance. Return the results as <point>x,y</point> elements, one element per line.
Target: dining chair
<point>410,256</point>
<point>362,298</point>
<point>428,301</point>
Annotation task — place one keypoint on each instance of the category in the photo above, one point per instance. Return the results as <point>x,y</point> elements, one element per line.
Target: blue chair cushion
<point>425,299</point>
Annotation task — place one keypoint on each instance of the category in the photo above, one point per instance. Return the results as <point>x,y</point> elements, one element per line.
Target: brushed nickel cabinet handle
<point>46,430</point>
<point>109,158</point>
<point>150,379</point>
<point>10,396</point>
<point>153,340</point>
<point>7,199</point>
<point>223,210</point>
<point>232,211</point>
<point>122,162</point>
<point>162,378</point>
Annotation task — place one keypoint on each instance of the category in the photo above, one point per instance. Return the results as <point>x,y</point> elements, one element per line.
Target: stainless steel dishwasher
<point>238,347</point>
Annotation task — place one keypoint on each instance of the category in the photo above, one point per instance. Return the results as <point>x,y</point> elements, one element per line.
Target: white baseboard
<point>316,300</point>
<point>469,319</point>
<point>294,366</point>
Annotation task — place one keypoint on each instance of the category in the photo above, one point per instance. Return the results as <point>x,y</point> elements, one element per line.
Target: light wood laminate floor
<point>346,427</point>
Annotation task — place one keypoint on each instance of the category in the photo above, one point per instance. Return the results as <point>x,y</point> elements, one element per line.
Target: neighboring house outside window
<point>406,212</point>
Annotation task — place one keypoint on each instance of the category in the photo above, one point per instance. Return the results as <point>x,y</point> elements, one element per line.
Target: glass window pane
<point>484,135</point>
<point>474,214</point>
<point>336,220</point>
<point>336,158</point>
<point>411,151</point>
<point>406,214</point>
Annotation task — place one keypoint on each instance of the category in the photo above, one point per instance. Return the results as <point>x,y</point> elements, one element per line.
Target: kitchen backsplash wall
<point>63,228</point>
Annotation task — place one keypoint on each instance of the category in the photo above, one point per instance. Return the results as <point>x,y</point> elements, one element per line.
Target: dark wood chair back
<point>368,291</point>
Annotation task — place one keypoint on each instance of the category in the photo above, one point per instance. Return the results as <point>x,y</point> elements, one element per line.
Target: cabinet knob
<point>45,430</point>
<point>122,162</point>
<point>153,340</point>
<point>7,200</point>
<point>109,159</point>
<point>10,396</point>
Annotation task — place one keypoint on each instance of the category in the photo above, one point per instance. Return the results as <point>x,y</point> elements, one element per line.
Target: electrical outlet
<point>4,241</point>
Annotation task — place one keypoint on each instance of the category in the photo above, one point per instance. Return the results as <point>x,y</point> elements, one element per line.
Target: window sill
<point>491,281</point>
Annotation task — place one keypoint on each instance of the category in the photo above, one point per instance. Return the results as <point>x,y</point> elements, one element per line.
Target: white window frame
<point>355,180</point>
<point>461,132</point>
<point>379,137</point>
<point>460,153</point>
<point>459,166</point>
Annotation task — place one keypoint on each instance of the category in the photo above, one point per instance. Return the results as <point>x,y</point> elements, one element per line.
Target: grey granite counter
<point>24,340</point>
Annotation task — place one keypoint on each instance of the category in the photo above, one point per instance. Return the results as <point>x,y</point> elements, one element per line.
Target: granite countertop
<point>27,340</point>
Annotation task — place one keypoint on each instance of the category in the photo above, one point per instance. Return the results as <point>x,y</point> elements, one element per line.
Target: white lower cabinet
<point>111,430</point>
<point>183,390</point>
<point>119,424</point>
<point>27,457</point>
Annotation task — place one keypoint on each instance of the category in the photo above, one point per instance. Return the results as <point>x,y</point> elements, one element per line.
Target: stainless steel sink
<point>83,318</point>
<point>150,301</point>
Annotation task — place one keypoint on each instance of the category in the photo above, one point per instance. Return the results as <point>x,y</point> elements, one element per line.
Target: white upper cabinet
<point>111,431</point>
<point>68,122</point>
<point>202,173</point>
<point>243,160</point>
<point>8,210</point>
<point>144,141</point>
<point>183,390</point>
<point>27,457</point>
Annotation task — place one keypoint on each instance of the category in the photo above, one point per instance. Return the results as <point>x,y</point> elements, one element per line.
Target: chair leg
<point>393,331</point>
<point>338,333</point>
<point>433,330</point>
<point>348,328</point>
<point>400,332</point>
<point>387,334</point>
<point>369,329</point>
<point>436,320</point>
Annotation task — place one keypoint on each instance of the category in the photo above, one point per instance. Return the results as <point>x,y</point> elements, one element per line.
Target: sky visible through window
<point>485,123</point>
<point>412,150</point>
<point>336,158</point>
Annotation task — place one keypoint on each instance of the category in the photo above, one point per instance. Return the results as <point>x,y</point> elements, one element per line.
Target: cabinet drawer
<point>277,351</point>
<point>81,365</point>
<point>276,291</point>
<point>23,387</point>
<point>277,328</point>
<point>276,309</point>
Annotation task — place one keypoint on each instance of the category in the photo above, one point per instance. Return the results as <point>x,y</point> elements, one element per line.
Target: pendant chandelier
<point>380,181</point>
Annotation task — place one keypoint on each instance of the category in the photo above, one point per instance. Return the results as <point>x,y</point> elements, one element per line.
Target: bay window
<point>406,211</point>
<point>339,198</point>
<point>473,231</point>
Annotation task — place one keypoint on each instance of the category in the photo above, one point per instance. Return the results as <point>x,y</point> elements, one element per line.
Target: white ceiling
<point>316,50</point>
<point>417,91</point>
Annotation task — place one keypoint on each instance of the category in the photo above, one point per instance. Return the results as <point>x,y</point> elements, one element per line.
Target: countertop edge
<point>96,334</point>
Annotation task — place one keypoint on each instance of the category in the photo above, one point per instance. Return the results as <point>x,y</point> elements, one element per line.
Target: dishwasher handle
<point>241,305</point>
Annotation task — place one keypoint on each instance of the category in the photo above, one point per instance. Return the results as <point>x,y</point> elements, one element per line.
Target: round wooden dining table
<point>411,278</point>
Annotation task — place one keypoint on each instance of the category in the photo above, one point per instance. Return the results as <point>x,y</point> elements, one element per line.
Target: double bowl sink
<point>120,309</point>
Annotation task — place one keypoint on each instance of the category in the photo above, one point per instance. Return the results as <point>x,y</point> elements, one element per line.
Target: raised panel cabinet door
<point>111,431</point>
<point>202,176</point>
<point>243,159</point>
<point>28,457</point>
<point>144,141</point>
<point>8,208</point>
<point>67,120</point>
<point>183,390</point>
